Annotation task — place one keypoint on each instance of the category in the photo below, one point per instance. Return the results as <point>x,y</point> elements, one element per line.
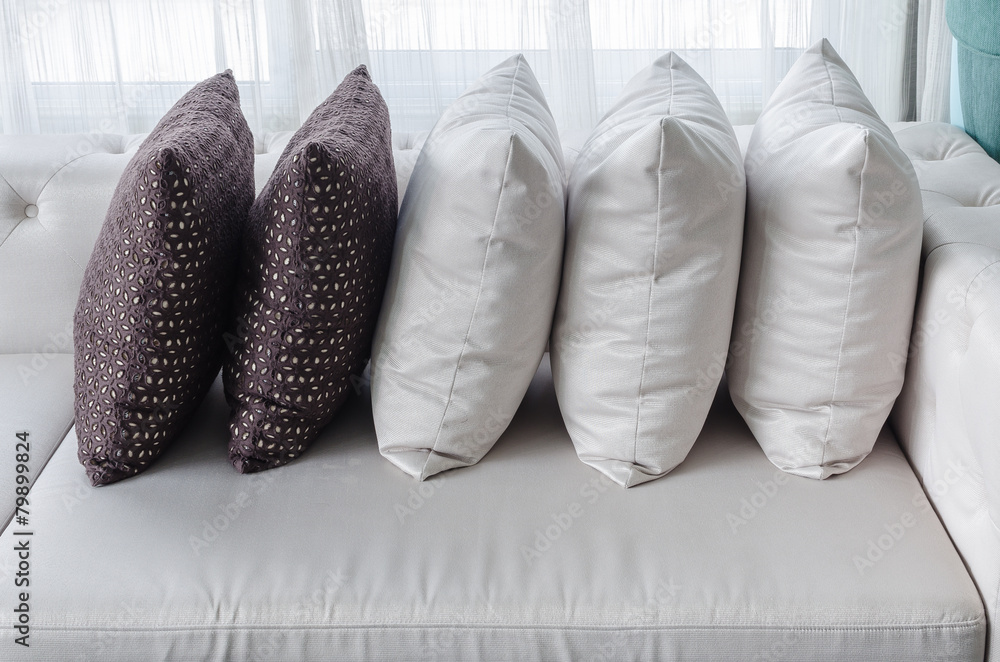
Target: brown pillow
<point>315,262</point>
<point>156,293</point>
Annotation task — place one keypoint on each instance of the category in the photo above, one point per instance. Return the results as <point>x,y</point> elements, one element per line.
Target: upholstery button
<point>31,211</point>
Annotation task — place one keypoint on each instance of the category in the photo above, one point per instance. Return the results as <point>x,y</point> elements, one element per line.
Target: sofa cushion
<point>829,275</point>
<point>36,397</point>
<point>157,291</point>
<point>474,277</point>
<point>531,556</point>
<point>315,260</point>
<point>654,230</point>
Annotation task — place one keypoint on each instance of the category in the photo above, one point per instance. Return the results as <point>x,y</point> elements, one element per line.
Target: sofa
<point>529,555</point>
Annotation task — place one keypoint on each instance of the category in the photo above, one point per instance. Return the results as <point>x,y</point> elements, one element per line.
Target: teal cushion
<point>976,26</point>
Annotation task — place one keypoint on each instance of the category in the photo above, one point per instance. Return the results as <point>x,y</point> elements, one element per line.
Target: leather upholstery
<point>351,540</point>
<point>947,415</point>
<point>528,555</point>
<point>36,396</point>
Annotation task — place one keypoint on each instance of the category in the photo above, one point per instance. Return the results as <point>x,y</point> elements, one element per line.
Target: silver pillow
<point>474,276</point>
<point>654,233</point>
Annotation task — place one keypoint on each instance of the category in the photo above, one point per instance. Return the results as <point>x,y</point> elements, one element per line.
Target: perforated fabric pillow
<point>315,262</point>
<point>654,234</point>
<point>829,274</point>
<point>474,276</point>
<point>157,291</point>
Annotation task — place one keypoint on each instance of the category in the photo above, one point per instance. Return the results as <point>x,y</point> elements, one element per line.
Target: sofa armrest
<point>980,380</point>
<point>946,417</point>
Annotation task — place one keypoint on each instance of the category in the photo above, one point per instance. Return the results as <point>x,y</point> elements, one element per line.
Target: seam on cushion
<point>652,279</point>
<point>959,625</point>
<point>510,97</point>
<point>927,219</point>
<point>975,278</point>
<point>482,275</point>
<point>833,96</point>
<point>13,190</point>
<point>961,243</point>
<point>21,198</point>
<point>960,203</point>
<point>60,169</point>
<point>475,307</point>
<point>8,235</point>
<point>670,103</point>
<point>60,247</point>
<point>847,307</point>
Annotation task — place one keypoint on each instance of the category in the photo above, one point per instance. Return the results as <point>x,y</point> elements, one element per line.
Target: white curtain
<point>933,63</point>
<point>117,65</point>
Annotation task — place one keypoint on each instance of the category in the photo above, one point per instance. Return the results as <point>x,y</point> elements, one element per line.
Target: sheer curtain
<point>117,65</point>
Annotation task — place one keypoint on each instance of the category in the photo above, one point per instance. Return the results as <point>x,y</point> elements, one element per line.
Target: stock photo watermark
<point>22,539</point>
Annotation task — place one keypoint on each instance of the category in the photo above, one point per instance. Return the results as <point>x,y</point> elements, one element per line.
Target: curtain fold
<point>933,62</point>
<point>118,65</point>
<point>17,100</point>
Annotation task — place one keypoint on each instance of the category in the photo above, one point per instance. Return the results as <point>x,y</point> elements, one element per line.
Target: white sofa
<point>530,554</point>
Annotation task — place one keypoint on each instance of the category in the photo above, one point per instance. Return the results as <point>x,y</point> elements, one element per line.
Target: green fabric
<point>976,26</point>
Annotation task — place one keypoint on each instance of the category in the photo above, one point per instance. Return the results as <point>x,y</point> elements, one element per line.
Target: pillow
<point>157,291</point>
<point>474,276</point>
<point>315,260</point>
<point>829,274</point>
<point>653,240</point>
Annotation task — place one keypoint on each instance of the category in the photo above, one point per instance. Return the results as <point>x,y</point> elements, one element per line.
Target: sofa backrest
<point>54,193</point>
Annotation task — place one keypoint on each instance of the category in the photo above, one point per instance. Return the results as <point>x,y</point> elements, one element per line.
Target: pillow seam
<point>652,275</point>
<point>847,306</point>
<point>475,307</point>
<point>833,95</point>
<point>482,275</point>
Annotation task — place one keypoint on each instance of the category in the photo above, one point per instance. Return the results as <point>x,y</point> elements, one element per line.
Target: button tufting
<point>31,211</point>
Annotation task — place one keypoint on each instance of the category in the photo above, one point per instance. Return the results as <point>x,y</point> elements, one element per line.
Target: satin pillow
<point>474,276</point>
<point>654,233</point>
<point>829,276</point>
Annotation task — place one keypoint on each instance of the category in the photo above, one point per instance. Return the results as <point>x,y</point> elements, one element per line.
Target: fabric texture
<point>829,275</point>
<point>933,62</point>
<point>527,556</point>
<point>157,291</point>
<point>289,55</point>
<point>976,26</point>
<point>946,415</point>
<point>315,261</point>
<point>654,233</point>
<point>474,276</point>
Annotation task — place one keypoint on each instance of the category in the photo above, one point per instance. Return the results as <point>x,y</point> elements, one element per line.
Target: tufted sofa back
<point>54,193</point>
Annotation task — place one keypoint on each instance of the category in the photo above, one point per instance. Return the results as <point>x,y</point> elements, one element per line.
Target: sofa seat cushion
<point>528,555</point>
<point>36,396</point>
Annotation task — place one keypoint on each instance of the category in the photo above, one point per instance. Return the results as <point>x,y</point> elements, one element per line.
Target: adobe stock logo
<point>893,533</point>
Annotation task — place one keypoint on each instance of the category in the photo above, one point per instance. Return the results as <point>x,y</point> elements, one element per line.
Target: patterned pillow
<point>156,293</point>
<point>315,262</point>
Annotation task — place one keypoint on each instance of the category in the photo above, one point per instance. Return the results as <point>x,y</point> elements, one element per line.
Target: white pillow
<point>830,261</point>
<point>654,233</point>
<point>474,276</point>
